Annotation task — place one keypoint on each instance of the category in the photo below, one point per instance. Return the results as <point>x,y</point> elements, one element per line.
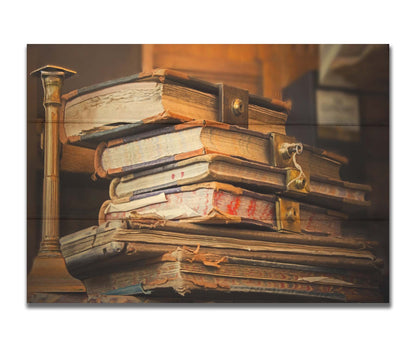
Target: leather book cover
<point>90,99</point>
<point>214,137</point>
<point>324,191</point>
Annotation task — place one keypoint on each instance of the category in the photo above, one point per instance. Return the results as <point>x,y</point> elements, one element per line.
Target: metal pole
<point>52,83</point>
<point>49,273</point>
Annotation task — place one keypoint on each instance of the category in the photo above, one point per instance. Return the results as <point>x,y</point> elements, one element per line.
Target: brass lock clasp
<point>233,105</point>
<point>287,216</point>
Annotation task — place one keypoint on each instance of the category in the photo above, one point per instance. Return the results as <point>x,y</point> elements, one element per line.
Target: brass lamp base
<point>50,275</point>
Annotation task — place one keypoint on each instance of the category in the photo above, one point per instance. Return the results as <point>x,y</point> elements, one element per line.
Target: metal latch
<point>284,150</point>
<point>287,215</point>
<point>280,153</point>
<point>233,105</point>
<point>297,181</point>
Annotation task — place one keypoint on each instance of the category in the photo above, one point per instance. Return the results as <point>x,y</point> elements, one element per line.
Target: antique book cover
<point>113,260</point>
<point>331,193</point>
<point>221,203</point>
<point>185,271</point>
<point>119,107</point>
<point>173,143</point>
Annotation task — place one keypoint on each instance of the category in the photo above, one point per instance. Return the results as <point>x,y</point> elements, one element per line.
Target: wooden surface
<point>169,298</point>
<point>77,159</point>
<point>262,69</point>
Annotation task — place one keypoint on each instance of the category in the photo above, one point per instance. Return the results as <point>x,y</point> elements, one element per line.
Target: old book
<point>113,244</point>
<point>221,203</point>
<point>119,261</point>
<point>185,272</point>
<point>113,235</point>
<point>173,143</point>
<point>251,234</point>
<point>118,108</point>
<point>335,194</point>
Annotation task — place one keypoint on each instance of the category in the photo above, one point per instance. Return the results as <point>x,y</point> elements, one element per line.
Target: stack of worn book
<point>210,200</point>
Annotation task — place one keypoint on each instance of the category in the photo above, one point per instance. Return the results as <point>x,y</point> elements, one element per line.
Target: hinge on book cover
<point>287,215</point>
<point>233,105</point>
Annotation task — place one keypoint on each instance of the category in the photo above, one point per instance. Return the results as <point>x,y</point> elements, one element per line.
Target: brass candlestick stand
<point>49,273</point>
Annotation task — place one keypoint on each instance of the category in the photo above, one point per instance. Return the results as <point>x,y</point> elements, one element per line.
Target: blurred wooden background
<point>261,69</point>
